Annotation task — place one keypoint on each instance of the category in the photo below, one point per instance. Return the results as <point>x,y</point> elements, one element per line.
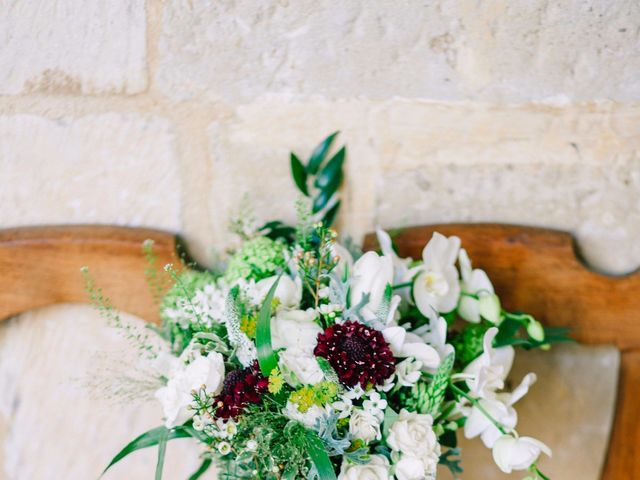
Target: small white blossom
<point>408,372</point>
<point>375,404</point>
<point>252,445</point>
<point>355,393</point>
<point>224,448</point>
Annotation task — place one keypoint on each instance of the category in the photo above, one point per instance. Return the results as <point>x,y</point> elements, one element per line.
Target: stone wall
<point>165,114</point>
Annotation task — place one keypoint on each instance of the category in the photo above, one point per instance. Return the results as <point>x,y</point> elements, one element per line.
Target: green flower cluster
<point>468,343</point>
<point>258,258</point>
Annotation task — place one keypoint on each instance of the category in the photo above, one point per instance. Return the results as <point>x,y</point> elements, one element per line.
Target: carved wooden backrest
<point>533,270</point>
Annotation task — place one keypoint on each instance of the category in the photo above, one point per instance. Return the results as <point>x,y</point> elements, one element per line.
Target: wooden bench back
<point>533,270</point>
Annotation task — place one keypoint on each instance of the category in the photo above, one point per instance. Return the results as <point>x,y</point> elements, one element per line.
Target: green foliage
<point>325,174</point>
<point>157,436</point>
<point>468,343</point>
<point>267,358</point>
<point>138,337</point>
<point>451,459</point>
<point>178,298</point>
<point>258,258</point>
<point>438,386</point>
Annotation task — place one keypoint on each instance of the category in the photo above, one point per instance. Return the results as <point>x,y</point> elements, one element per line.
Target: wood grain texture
<point>41,266</point>
<point>536,271</point>
<point>623,459</point>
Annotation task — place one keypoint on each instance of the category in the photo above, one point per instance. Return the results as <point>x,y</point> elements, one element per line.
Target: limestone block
<point>65,408</point>
<point>574,169</point>
<point>72,47</point>
<point>502,51</point>
<point>250,157</point>
<point>108,168</point>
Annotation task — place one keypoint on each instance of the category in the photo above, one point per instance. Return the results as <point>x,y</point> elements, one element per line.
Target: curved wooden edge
<point>623,459</point>
<point>40,266</point>
<point>536,270</point>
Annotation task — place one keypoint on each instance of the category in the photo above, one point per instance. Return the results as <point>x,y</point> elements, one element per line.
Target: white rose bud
<point>364,425</point>
<point>376,469</point>
<point>412,468</point>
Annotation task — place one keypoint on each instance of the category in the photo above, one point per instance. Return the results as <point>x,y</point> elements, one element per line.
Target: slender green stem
<point>402,285</point>
<point>476,403</point>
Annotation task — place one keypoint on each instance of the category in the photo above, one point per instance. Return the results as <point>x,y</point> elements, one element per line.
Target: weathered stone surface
<point>108,168</point>
<point>72,47</point>
<point>491,51</point>
<point>63,408</point>
<point>570,408</point>
<point>573,169</point>
<point>250,156</point>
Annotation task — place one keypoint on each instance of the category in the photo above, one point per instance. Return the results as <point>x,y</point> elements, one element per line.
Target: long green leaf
<point>148,439</point>
<point>162,449</point>
<point>332,173</point>
<point>299,174</point>
<point>331,214</point>
<point>319,153</point>
<point>267,358</point>
<point>204,466</point>
<point>319,457</point>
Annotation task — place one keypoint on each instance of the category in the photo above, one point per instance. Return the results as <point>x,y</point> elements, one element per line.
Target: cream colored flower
<point>376,469</point>
<point>512,453</point>
<point>364,425</point>
<point>436,285</point>
<point>412,434</point>
<point>295,328</point>
<point>176,396</point>
<point>300,367</point>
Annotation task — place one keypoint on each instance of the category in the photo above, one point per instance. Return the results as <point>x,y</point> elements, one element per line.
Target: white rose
<point>376,469</point>
<point>288,292</point>
<point>412,434</point>
<point>300,367</point>
<point>295,328</point>
<point>176,395</point>
<point>413,468</point>
<point>364,425</point>
<point>371,275</point>
<point>512,453</point>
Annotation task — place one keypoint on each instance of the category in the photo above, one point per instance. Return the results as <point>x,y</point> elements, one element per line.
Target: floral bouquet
<point>304,358</point>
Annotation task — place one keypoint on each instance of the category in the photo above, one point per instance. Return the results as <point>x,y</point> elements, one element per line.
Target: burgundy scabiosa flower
<point>357,353</point>
<point>240,388</point>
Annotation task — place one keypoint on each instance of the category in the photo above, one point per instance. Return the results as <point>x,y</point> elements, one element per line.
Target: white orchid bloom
<point>512,453</point>
<point>475,282</point>
<point>404,344</point>
<point>501,409</point>
<point>435,334</point>
<point>488,372</point>
<point>371,275</point>
<point>437,285</point>
<point>401,268</point>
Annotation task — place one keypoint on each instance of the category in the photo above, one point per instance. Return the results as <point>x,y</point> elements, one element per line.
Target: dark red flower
<point>240,388</point>
<point>357,353</point>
